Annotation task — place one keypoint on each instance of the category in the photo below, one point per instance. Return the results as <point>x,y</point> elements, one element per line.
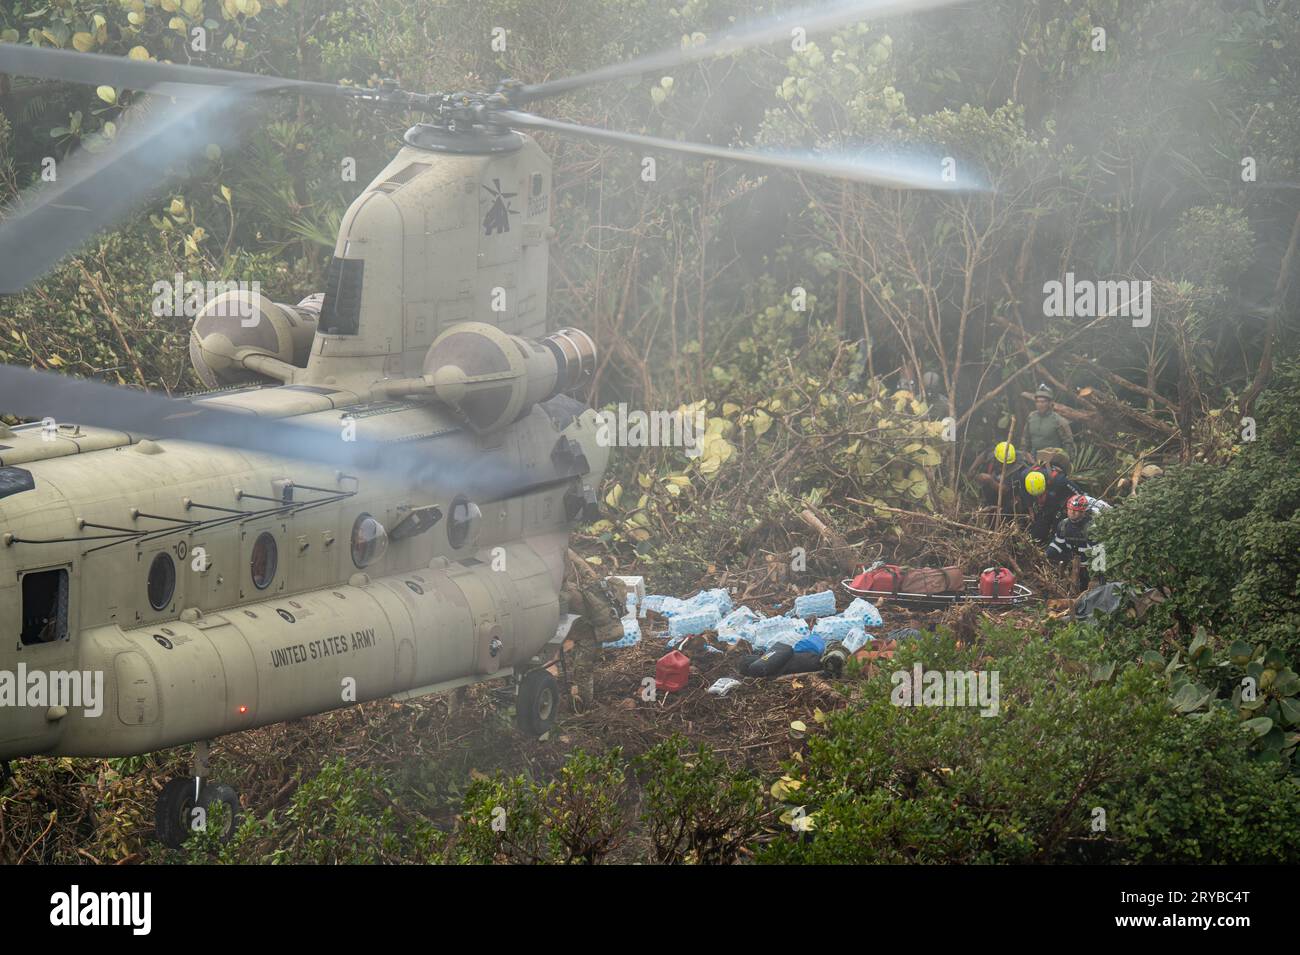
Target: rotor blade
<point>452,460</point>
<point>810,19</point>
<point>904,172</point>
<point>94,190</point>
<point>98,69</point>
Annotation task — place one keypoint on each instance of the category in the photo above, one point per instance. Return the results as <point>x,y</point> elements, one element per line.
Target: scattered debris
<point>723,685</point>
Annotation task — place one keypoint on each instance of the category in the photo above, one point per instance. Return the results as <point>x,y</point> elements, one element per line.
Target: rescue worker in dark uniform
<point>600,621</point>
<point>1050,488</point>
<point>1046,431</point>
<point>1072,539</point>
<point>1001,467</point>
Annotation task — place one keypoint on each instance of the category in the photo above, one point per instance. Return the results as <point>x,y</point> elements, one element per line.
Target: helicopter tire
<point>172,812</point>
<point>226,795</point>
<point>537,702</point>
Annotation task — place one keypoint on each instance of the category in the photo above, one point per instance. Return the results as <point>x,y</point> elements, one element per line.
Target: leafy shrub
<point>695,808</point>
<point>1253,685</point>
<point>579,818</point>
<point>1086,761</point>
<point>1224,541</point>
<point>341,815</point>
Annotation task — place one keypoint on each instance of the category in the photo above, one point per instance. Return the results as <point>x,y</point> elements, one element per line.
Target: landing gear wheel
<point>174,817</point>
<point>538,699</point>
<point>219,793</point>
<point>173,812</point>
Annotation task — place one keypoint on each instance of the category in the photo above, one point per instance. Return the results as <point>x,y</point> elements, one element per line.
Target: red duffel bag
<point>998,583</point>
<point>885,579</point>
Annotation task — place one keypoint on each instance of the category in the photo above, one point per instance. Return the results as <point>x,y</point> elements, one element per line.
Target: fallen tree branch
<point>924,516</point>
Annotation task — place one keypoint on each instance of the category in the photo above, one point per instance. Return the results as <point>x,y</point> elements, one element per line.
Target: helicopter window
<point>162,581</point>
<point>264,560</point>
<point>463,521</point>
<point>369,540</point>
<point>45,606</point>
<point>340,312</point>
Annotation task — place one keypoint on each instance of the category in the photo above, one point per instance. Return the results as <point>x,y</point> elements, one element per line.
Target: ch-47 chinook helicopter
<point>375,498</point>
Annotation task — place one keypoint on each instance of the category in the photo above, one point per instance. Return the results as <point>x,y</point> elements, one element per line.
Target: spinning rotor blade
<point>93,191</point>
<point>452,460</point>
<point>98,69</point>
<point>908,172</point>
<point>810,19</point>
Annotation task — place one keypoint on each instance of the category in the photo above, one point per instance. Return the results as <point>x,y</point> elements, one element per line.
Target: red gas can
<point>997,582</point>
<point>672,672</point>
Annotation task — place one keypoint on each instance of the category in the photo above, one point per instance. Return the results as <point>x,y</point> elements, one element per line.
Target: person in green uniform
<point>1045,430</point>
<point>599,623</point>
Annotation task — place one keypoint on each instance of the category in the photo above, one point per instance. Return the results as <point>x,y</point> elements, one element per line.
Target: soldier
<point>600,621</point>
<point>1046,431</point>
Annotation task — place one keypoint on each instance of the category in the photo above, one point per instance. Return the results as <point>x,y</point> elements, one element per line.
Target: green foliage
<point>1223,541</point>
<point>1075,733</point>
<point>341,816</point>
<point>1253,684</point>
<point>695,808</point>
<point>579,818</point>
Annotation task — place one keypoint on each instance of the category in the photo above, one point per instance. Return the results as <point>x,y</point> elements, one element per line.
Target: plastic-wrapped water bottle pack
<point>737,625</point>
<point>864,613</point>
<point>694,621</point>
<point>767,633</point>
<point>820,604</point>
<point>713,610</point>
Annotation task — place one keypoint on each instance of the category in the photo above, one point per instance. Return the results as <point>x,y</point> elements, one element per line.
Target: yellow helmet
<point>1005,452</point>
<point>1035,483</point>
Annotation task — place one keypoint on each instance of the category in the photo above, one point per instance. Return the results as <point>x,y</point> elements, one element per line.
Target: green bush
<point>579,818</point>
<point>341,815</point>
<point>695,809</point>
<point>1224,542</point>
<point>1085,761</point>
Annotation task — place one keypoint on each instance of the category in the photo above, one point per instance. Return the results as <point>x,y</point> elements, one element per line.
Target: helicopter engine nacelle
<point>492,377</point>
<point>239,324</point>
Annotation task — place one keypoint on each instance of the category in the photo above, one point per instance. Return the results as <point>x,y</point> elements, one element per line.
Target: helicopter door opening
<point>45,606</point>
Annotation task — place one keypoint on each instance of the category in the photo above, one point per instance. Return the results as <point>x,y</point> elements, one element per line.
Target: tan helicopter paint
<point>223,655</point>
<point>447,265</point>
<point>415,639</point>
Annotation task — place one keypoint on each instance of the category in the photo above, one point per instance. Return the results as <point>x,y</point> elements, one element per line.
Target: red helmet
<point>1077,506</point>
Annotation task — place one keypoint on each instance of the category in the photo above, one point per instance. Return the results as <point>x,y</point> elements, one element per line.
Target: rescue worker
<point>1072,542</point>
<point>1046,431</point>
<point>1001,468</point>
<point>1050,488</point>
<point>600,621</point>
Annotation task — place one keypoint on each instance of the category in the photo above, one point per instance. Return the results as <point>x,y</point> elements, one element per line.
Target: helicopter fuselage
<point>208,590</point>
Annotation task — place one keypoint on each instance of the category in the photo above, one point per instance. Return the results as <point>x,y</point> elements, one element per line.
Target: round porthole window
<point>162,581</point>
<point>369,540</point>
<point>462,526</point>
<point>265,558</point>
